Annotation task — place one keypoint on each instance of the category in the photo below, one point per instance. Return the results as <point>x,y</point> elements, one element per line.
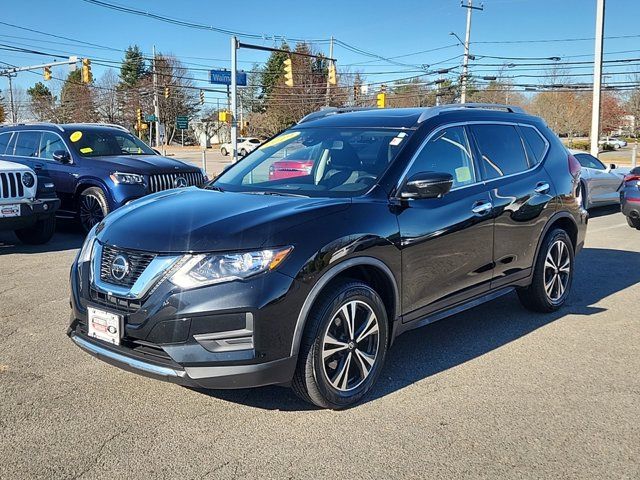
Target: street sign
<point>182,122</point>
<point>150,117</point>
<point>223,77</point>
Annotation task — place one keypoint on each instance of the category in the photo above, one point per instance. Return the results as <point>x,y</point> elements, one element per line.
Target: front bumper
<point>230,335</point>
<point>30,213</point>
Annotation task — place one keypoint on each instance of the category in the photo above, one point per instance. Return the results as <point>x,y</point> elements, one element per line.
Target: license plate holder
<point>105,326</point>
<point>10,210</point>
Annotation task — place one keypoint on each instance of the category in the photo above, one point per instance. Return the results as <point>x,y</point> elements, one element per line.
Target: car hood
<point>197,220</point>
<point>13,167</point>
<point>144,164</point>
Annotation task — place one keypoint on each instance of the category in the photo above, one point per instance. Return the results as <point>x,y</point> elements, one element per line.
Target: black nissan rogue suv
<point>405,216</point>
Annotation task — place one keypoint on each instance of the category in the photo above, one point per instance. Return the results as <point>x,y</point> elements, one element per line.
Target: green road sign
<point>150,117</point>
<point>182,122</point>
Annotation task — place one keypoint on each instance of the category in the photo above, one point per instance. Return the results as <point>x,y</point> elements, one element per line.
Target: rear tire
<point>39,233</point>
<point>634,222</point>
<point>343,347</point>
<point>243,153</point>
<point>224,152</point>
<point>552,274</point>
<point>92,207</point>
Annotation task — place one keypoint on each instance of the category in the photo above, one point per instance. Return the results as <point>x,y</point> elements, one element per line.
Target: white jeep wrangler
<point>28,203</point>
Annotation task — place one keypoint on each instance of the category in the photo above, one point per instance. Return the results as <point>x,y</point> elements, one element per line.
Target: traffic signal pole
<point>234,99</point>
<point>156,103</point>
<point>597,79</point>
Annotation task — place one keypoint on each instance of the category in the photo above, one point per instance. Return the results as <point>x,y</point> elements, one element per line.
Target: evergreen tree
<point>133,67</point>
<point>42,101</point>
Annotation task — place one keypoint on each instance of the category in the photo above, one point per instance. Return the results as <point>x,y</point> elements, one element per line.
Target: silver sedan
<point>600,184</point>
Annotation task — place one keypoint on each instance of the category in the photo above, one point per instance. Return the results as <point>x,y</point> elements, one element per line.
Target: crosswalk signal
<point>47,73</point>
<point>381,100</point>
<point>201,97</point>
<point>332,74</point>
<point>288,72</point>
<point>87,76</point>
<point>167,92</point>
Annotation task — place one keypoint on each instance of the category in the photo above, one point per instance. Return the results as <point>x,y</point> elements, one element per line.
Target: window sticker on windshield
<point>395,141</point>
<point>75,136</point>
<point>280,139</point>
<point>86,150</point>
<point>463,174</point>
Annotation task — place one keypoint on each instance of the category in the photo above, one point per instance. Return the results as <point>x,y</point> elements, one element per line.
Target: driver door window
<point>448,151</point>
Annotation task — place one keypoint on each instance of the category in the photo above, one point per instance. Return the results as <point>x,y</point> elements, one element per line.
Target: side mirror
<point>612,166</point>
<point>427,185</point>
<point>61,156</point>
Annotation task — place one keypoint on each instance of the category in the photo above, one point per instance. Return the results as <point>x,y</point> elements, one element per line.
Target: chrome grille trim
<point>164,181</point>
<point>138,263</point>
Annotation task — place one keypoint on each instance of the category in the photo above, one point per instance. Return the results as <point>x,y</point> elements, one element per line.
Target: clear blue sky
<point>385,28</point>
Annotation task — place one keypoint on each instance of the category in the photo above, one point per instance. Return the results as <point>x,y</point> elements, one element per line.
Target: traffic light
<point>356,93</point>
<point>223,116</point>
<point>47,73</point>
<point>332,74</point>
<point>166,92</point>
<point>288,72</point>
<point>87,76</point>
<point>381,100</point>
<point>201,97</point>
<point>139,115</point>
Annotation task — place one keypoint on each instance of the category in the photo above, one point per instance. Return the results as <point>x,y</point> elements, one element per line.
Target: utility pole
<point>234,99</point>
<point>465,63</point>
<point>156,104</point>
<point>597,78</point>
<point>13,108</point>
<point>328,97</point>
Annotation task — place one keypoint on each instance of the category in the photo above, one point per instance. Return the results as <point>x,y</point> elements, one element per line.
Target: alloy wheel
<point>557,270</point>
<point>350,345</point>
<point>90,211</point>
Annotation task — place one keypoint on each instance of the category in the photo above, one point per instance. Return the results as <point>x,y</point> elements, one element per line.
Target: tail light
<point>574,166</point>
<point>632,177</point>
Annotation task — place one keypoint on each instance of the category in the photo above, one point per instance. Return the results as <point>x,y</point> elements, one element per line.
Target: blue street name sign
<point>223,77</point>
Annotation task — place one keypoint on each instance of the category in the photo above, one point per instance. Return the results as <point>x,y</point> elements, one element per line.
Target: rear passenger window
<point>27,144</point>
<point>4,141</point>
<point>501,150</point>
<point>535,142</point>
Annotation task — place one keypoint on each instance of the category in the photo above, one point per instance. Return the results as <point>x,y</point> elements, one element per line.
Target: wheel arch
<point>84,184</point>
<point>566,222</point>
<point>369,270</point>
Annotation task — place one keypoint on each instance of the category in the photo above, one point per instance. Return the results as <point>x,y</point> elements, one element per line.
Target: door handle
<point>482,208</point>
<point>542,188</point>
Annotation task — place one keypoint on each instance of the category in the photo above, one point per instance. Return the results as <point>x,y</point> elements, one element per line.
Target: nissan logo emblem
<point>180,182</point>
<point>119,267</point>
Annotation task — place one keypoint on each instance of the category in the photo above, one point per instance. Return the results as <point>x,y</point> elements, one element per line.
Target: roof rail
<point>433,111</point>
<point>326,111</point>
<point>114,125</point>
<point>48,124</point>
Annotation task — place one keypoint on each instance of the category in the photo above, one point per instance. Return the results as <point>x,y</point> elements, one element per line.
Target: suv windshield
<point>316,162</point>
<point>107,142</point>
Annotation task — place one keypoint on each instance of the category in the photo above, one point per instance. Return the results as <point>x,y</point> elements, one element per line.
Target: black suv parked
<point>406,216</point>
<point>96,168</point>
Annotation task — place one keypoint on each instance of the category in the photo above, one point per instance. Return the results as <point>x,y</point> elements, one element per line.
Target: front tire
<point>552,274</point>
<point>634,222</point>
<point>39,233</point>
<point>343,347</point>
<point>92,207</point>
<point>243,153</point>
<point>224,152</point>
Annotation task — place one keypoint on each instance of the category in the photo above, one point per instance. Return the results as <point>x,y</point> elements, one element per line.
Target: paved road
<point>494,392</point>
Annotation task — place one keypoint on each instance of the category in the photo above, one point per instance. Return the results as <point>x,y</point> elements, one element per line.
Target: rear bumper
<point>210,377</point>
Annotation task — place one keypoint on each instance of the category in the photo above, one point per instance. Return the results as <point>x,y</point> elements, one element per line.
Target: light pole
<point>597,78</point>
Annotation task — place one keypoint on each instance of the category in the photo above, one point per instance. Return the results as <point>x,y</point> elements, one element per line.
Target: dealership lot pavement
<point>496,391</point>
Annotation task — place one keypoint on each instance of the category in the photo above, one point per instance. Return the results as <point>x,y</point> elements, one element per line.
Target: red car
<point>289,168</point>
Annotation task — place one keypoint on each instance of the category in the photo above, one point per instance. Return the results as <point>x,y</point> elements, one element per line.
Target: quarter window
<point>49,143</point>
<point>501,150</point>
<point>535,142</point>
<point>4,141</point>
<point>447,152</point>
<point>27,144</point>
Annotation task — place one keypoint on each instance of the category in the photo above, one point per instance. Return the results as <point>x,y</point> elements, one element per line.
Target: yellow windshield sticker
<point>280,139</point>
<point>86,150</point>
<point>463,174</point>
<point>75,136</point>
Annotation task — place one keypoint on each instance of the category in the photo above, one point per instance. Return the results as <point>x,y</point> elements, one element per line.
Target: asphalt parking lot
<point>493,392</point>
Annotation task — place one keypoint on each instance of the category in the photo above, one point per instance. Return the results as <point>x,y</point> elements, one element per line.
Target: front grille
<point>166,181</point>
<point>137,261</point>
<point>11,185</point>
<point>123,305</point>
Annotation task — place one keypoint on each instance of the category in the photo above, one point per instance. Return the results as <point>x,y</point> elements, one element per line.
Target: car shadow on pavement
<point>68,236</point>
<point>435,348</point>
<point>596,212</point>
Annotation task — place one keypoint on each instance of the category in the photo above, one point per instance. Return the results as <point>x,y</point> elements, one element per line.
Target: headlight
<point>87,246</point>
<point>201,270</point>
<point>28,180</point>
<point>127,178</point>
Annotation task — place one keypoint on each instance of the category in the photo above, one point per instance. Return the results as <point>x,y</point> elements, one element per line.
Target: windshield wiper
<point>213,187</point>
<point>278,194</point>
